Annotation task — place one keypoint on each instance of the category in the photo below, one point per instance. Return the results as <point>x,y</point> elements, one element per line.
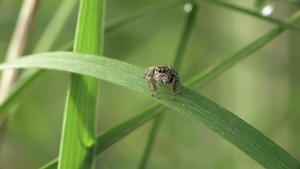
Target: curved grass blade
<point>190,104</point>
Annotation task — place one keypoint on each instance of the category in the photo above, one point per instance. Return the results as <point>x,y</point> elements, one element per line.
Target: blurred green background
<point>263,89</point>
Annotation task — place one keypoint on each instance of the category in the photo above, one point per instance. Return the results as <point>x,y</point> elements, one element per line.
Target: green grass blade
<point>190,104</point>
<point>78,143</point>
<point>255,14</point>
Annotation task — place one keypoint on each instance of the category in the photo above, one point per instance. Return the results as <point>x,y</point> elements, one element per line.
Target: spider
<point>162,74</point>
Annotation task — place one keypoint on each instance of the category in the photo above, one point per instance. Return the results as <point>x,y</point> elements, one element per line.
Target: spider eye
<point>159,71</point>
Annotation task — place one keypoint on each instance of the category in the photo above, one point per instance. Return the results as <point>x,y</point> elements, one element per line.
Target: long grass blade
<point>78,143</point>
<point>189,104</point>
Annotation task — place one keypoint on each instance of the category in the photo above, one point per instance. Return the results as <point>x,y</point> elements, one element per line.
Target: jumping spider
<point>162,74</point>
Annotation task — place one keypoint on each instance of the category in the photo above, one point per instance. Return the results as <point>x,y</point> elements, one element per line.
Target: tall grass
<point>79,142</point>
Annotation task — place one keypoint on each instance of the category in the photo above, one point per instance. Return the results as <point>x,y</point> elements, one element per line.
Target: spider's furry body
<point>162,74</point>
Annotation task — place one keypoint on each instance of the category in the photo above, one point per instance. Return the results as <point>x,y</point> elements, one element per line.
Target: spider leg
<point>148,69</point>
<point>146,72</point>
<point>150,81</point>
<point>178,84</point>
<point>149,85</point>
<point>155,89</point>
<point>175,80</point>
<point>174,87</point>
